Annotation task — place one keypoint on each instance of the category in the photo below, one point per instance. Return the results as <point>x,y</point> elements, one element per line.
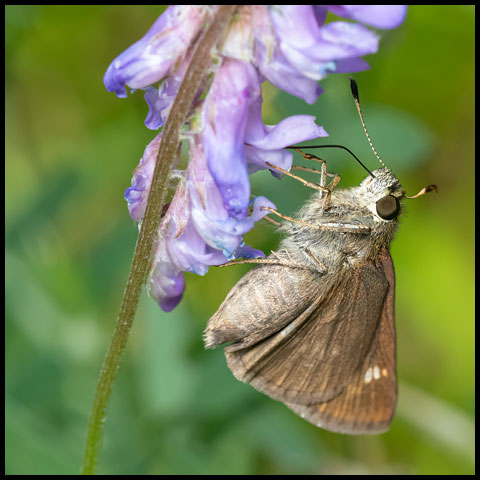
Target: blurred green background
<point>176,409</point>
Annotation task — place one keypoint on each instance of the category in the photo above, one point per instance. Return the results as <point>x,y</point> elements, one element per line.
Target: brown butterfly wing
<point>367,404</point>
<point>334,364</point>
<point>266,299</point>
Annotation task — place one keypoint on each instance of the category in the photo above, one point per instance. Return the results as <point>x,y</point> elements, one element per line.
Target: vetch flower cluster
<point>289,45</point>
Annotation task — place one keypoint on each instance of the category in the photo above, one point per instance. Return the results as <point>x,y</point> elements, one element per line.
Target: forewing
<point>367,404</point>
<point>315,357</point>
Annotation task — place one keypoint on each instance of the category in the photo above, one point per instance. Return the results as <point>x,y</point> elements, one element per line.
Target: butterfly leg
<point>323,171</point>
<point>290,219</point>
<point>296,177</point>
<point>323,175</point>
<point>269,261</point>
<point>335,181</point>
<point>320,265</point>
<point>330,226</point>
<point>271,220</point>
<point>344,227</point>
<point>247,260</point>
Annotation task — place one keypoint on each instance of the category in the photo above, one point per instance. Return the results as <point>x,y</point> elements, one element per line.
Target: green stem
<point>198,68</point>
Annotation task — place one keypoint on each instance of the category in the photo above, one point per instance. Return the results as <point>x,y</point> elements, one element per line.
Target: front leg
<point>265,261</point>
<point>328,226</point>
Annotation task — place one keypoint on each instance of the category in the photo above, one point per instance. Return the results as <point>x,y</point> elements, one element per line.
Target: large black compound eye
<point>388,207</point>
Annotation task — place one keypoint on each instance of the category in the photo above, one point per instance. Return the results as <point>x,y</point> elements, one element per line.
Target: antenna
<point>354,88</point>
<point>303,147</point>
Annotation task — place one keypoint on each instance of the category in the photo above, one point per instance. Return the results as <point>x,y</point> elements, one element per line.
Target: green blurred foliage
<point>176,409</point>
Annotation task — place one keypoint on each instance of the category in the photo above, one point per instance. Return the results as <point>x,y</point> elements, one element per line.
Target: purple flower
<point>158,53</point>
<point>208,215</point>
<point>197,232</point>
<point>212,220</point>
<point>289,45</point>
<point>307,50</point>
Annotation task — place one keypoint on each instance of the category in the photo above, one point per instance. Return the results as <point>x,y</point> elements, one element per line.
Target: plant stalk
<point>196,72</point>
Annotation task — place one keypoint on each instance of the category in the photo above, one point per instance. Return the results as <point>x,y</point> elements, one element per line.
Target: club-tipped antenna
<point>424,190</point>
<point>354,88</point>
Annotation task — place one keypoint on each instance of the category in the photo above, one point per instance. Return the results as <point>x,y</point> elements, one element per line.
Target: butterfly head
<point>382,195</point>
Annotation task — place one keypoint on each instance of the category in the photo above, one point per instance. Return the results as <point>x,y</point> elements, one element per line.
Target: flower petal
<point>289,131</point>
<point>320,12</point>
<point>296,26</point>
<point>340,40</point>
<point>152,58</point>
<point>225,116</point>
<point>380,16</point>
<point>257,159</point>
<point>270,147</point>
<point>350,65</point>
<point>312,49</point>
<point>337,41</point>
<point>190,253</point>
<point>137,195</point>
<point>166,285</point>
<point>280,73</point>
<point>245,251</point>
<point>258,208</point>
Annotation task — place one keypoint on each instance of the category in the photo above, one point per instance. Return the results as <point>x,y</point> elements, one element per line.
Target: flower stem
<point>198,68</point>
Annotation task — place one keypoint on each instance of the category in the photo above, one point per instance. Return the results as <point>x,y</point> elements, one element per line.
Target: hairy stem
<point>198,68</point>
